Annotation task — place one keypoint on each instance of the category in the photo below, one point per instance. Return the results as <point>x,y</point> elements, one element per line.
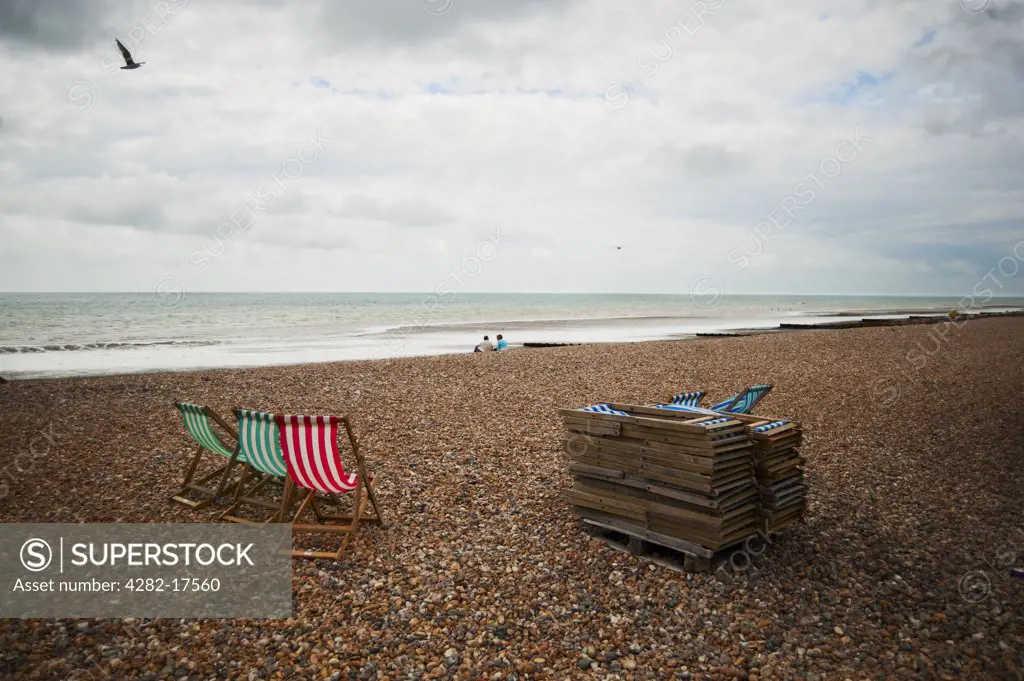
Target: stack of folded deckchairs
<point>780,476</point>
<point>675,478</point>
<point>780,480</point>
<point>690,478</point>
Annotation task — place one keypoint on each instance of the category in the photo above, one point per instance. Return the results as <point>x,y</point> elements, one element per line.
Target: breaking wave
<point>71,347</point>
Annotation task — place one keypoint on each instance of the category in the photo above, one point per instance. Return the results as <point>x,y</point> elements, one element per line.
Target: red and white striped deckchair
<point>310,448</point>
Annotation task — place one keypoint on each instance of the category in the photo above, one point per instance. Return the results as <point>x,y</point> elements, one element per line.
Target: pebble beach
<point>914,448</point>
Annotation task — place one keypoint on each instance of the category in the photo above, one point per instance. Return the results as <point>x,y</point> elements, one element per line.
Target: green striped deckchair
<point>196,419</point>
<point>744,401</point>
<point>259,441</point>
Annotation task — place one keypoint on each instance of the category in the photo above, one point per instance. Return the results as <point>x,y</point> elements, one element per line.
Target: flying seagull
<point>129,62</point>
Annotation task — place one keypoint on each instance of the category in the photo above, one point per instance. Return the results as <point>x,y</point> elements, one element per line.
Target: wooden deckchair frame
<point>240,499</point>
<point>201,486</point>
<point>736,398</point>
<point>327,523</point>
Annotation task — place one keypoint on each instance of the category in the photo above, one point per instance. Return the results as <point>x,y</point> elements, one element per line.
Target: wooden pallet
<point>678,559</point>
<point>659,554</point>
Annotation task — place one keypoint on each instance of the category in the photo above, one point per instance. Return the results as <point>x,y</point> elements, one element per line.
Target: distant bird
<point>618,248</point>
<point>129,62</point>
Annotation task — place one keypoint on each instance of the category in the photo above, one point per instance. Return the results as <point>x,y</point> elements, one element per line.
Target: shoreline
<point>629,320</point>
<point>913,317</point>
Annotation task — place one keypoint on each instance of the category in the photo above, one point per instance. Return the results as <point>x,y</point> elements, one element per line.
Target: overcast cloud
<point>778,146</point>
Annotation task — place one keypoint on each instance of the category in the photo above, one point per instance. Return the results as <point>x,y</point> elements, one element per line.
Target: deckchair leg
<point>322,517</point>
<point>278,511</point>
<point>240,485</point>
<point>355,521</point>
<point>317,555</point>
<point>302,506</point>
<point>348,530</point>
<point>180,497</point>
<point>329,517</point>
<point>286,501</point>
<point>364,477</point>
<point>195,464</point>
<point>209,476</point>
<point>359,504</point>
<point>344,544</point>
<point>237,499</point>
<point>224,478</point>
<point>313,506</point>
<point>370,492</point>
<point>198,486</point>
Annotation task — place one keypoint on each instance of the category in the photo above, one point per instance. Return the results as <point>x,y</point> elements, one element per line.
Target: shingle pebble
<point>487,573</point>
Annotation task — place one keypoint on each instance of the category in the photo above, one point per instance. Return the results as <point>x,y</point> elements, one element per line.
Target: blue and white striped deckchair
<point>260,441</point>
<point>744,401</point>
<point>719,420</point>
<point>769,426</point>
<point>690,409</point>
<point>688,399</point>
<point>603,408</point>
<point>196,419</point>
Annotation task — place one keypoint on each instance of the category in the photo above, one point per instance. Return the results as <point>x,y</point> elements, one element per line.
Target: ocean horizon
<point>51,335</point>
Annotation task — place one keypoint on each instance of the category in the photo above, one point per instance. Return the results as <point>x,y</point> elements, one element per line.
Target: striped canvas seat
<point>716,423</point>
<point>310,446</point>
<point>769,426</point>
<point>707,423</point>
<point>687,408</point>
<point>260,442</point>
<point>197,423</point>
<point>603,408</point>
<point>743,402</point>
<point>691,398</point>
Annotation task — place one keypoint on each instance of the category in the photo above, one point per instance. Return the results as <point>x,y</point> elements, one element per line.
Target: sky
<point>734,146</point>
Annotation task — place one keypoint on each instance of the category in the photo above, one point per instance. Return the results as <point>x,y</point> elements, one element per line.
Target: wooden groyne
<point>845,324</point>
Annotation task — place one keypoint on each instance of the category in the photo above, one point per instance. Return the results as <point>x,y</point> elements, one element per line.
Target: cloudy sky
<point>782,146</point>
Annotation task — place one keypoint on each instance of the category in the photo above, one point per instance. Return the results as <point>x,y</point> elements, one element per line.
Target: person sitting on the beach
<point>486,346</point>
<point>502,343</point>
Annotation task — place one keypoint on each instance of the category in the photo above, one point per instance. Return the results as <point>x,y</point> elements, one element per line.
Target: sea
<point>78,334</point>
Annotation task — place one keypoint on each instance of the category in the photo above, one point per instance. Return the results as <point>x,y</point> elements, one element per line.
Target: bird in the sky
<point>129,62</point>
<point>618,248</point>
